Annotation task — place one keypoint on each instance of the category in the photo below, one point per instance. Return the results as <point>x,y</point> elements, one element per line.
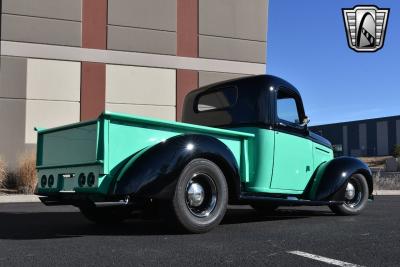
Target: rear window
<point>217,100</point>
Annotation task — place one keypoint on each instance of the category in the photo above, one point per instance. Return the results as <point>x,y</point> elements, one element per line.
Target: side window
<point>287,108</point>
<point>219,99</point>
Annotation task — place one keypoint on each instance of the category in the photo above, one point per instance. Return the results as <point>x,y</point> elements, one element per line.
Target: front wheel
<point>201,196</point>
<point>356,196</point>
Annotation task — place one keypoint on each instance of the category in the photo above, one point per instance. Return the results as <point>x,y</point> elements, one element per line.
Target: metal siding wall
<point>391,134</point>
<point>345,141</point>
<point>353,140</point>
<point>372,138</point>
<point>362,129</point>
<point>382,138</point>
<point>398,132</point>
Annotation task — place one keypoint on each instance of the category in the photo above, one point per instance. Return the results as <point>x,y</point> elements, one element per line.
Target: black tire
<point>355,205</point>
<point>191,214</point>
<point>264,208</point>
<point>106,215</point>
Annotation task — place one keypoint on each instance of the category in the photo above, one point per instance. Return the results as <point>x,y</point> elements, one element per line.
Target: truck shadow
<point>49,225</point>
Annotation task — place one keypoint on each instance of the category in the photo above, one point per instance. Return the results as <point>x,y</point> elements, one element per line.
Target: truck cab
<point>242,141</point>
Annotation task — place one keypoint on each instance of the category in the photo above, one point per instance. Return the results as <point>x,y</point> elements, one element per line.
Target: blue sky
<point>307,46</point>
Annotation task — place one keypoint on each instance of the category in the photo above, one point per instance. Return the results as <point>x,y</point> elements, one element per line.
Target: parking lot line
<point>323,259</point>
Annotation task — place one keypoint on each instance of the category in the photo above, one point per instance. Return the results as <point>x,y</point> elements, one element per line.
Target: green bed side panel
<point>126,138</point>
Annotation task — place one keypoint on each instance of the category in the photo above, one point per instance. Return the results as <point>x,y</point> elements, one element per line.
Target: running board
<point>50,201</point>
<point>288,201</point>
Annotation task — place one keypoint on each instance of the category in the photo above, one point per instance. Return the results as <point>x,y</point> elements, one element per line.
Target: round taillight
<point>91,179</point>
<point>82,179</point>
<point>50,182</point>
<point>43,181</point>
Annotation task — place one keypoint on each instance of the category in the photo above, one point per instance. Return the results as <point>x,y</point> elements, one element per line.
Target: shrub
<point>3,173</point>
<point>27,180</point>
<point>396,151</point>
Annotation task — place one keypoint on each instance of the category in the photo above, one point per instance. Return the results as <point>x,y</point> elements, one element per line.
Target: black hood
<point>320,140</point>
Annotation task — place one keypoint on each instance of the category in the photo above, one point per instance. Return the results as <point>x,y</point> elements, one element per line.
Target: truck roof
<point>234,103</point>
<point>249,81</point>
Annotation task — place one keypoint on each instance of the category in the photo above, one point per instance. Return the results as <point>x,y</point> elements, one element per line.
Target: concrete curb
<point>19,198</point>
<point>386,192</point>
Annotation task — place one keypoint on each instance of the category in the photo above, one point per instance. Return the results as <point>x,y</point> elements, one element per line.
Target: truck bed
<point>100,146</point>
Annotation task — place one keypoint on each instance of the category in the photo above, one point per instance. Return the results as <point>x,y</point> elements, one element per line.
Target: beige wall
<point>161,112</point>
<point>42,21</point>
<point>53,80</point>
<point>142,26</point>
<point>56,9</point>
<point>12,131</point>
<point>233,29</point>
<point>48,114</point>
<point>142,91</point>
<point>141,40</point>
<point>39,88</point>
<point>208,77</point>
<point>13,77</point>
<point>35,92</point>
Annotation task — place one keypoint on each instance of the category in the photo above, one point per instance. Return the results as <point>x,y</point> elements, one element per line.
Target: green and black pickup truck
<point>243,141</point>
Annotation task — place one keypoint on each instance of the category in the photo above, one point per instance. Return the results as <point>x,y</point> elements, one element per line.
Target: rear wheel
<point>201,196</point>
<point>356,196</point>
<point>106,215</point>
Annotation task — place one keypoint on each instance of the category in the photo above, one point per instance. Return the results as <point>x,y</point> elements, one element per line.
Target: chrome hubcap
<point>201,195</point>
<point>195,194</point>
<point>350,191</point>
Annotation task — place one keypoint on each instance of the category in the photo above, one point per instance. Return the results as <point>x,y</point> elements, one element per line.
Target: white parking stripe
<point>323,259</point>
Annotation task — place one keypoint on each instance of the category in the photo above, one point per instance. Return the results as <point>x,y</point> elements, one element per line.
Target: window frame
<point>198,97</point>
<point>299,106</point>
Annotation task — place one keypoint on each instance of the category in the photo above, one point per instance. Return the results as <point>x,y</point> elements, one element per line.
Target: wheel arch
<point>329,180</point>
<point>153,174</point>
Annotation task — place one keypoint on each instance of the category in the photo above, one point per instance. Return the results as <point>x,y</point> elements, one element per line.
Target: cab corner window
<point>287,108</point>
<point>219,99</point>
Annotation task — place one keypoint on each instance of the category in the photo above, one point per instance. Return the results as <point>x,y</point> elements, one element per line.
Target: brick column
<point>187,46</point>
<point>93,76</point>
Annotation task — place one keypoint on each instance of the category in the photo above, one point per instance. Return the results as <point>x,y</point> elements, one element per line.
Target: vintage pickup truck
<point>243,141</point>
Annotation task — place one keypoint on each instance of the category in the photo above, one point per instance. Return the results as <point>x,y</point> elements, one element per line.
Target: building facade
<point>373,137</point>
<point>64,61</point>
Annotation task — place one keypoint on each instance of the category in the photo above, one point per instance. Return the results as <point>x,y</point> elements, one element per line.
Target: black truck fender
<point>153,172</point>
<point>329,180</point>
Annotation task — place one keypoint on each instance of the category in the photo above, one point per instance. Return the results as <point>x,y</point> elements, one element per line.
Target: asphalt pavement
<point>32,234</point>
